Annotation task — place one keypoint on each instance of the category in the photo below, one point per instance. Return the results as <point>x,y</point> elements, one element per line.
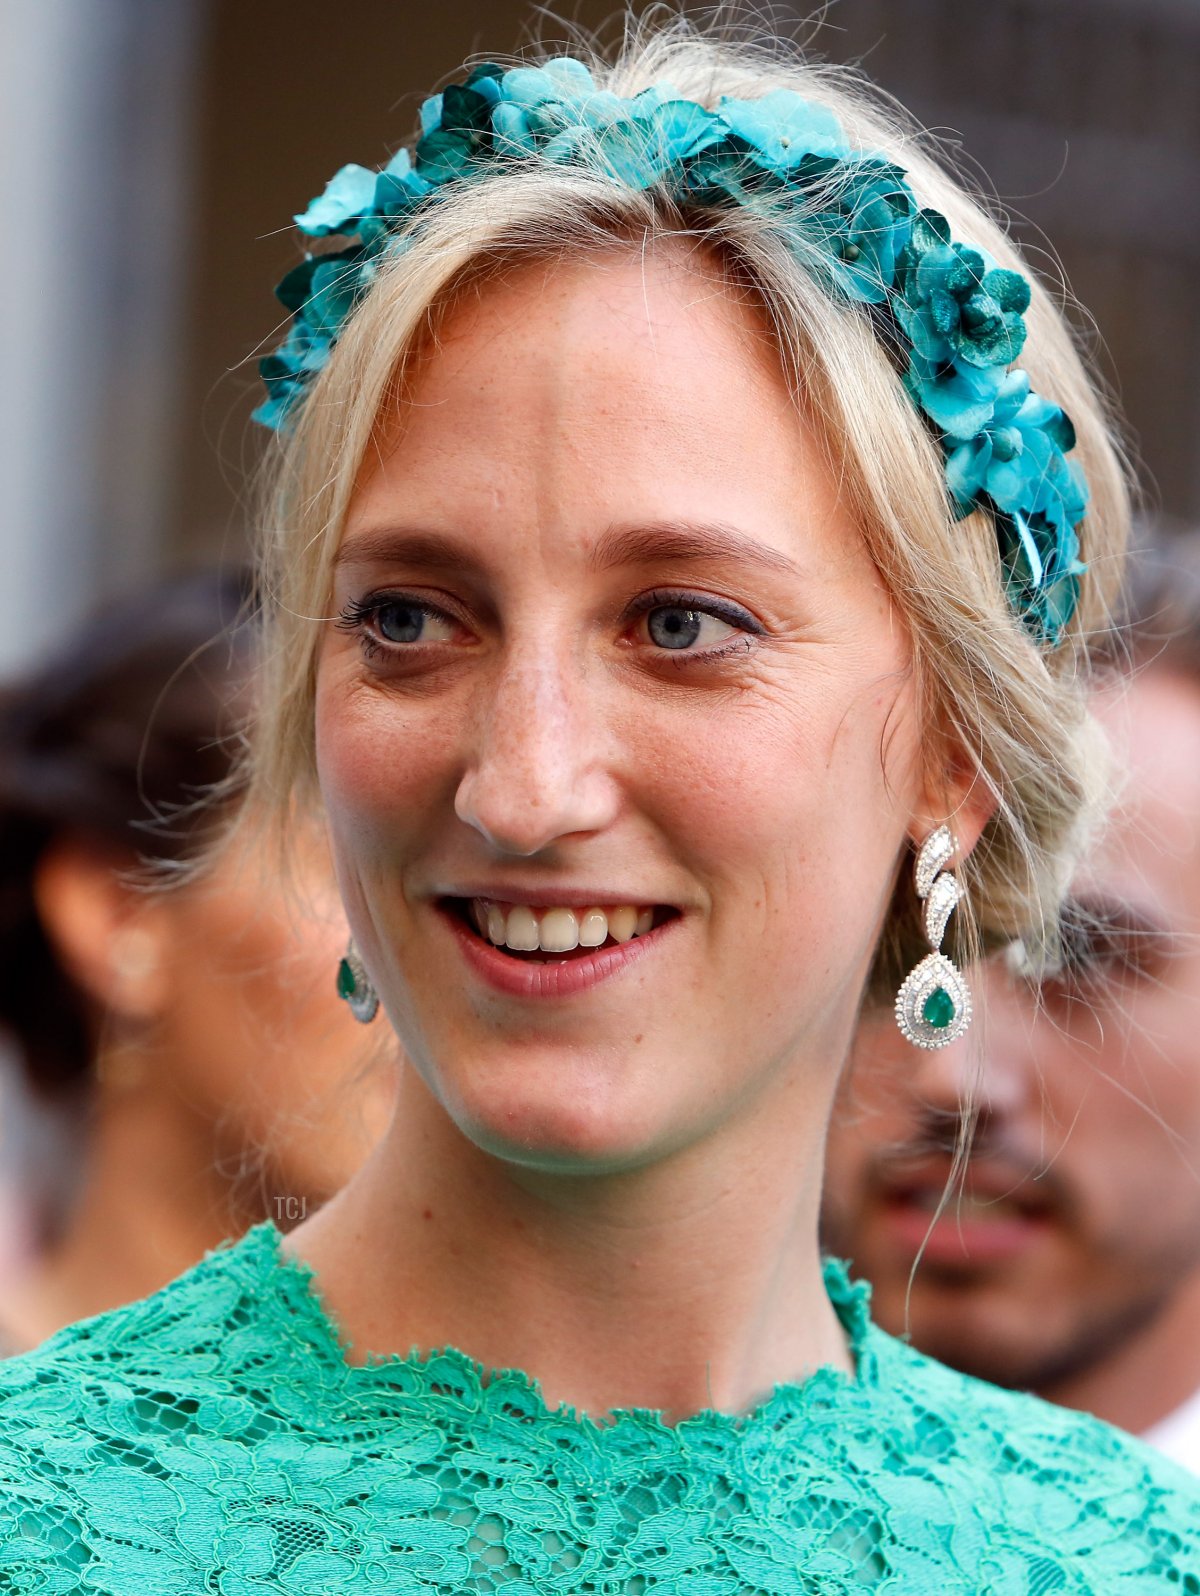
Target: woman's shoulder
<point>936,1416</point>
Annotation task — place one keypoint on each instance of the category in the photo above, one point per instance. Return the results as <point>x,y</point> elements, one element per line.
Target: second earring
<point>355,989</point>
<point>933,1006</point>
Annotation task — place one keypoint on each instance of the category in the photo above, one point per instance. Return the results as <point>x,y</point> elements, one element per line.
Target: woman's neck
<point>695,1283</point>
<point>150,1201</point>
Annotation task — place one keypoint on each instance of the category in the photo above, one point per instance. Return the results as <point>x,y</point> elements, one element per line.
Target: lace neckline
<point>448,1371</point>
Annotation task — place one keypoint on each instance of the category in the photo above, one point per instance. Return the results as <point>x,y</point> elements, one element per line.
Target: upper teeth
<point>557,930</point>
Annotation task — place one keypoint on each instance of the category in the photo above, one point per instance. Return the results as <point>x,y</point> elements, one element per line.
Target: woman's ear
<point>957,796</point>
<point>110,938</point>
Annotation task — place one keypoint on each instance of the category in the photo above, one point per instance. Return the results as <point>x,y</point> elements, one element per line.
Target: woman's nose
<point>536,771</point>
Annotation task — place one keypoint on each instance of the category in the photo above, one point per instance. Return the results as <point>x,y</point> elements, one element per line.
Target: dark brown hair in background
<point>114,740</point>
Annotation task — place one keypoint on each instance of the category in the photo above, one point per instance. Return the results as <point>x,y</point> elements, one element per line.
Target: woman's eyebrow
<point>645,544</point>
<point>685,540</point>
<point>426,550</point>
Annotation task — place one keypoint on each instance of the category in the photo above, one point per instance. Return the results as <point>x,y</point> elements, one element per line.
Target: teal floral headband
<point>954,318</point>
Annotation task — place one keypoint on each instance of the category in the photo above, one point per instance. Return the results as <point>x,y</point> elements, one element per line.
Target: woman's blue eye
<point>396,623</point>
<point>400,622</point>
<point>678,627</point>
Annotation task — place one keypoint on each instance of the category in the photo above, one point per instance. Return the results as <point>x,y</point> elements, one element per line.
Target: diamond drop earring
<point>933,1006</point>
<point>354,987</point>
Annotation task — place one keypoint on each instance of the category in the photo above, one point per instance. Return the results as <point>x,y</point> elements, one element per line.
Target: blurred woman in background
<point>193,1039</point>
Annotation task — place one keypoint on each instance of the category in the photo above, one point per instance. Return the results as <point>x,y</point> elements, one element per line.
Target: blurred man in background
<point>1068,1261</point>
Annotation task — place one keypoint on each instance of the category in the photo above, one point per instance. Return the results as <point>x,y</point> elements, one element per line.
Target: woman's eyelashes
<point>681,627</point>
<point>396,622</point>
<point>692,625</point>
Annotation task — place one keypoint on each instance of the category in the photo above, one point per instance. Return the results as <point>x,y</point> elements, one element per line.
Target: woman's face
<point>610,640</point>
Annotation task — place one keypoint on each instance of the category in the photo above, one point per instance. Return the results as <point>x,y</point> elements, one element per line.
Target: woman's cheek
<point>379,763</point>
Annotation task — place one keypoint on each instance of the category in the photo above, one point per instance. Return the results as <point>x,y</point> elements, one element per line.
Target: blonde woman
<point>677,532</point>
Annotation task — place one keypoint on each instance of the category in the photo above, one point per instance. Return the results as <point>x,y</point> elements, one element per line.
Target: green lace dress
<point>213,1438</point>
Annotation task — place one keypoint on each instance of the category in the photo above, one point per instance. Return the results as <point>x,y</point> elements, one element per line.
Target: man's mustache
<point>991,1155</point>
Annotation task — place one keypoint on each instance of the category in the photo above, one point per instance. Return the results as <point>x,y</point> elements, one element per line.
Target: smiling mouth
<point>555,934</point>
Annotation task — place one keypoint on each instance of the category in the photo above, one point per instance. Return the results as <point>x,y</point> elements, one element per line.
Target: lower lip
<point>962,1239</point>
<point>527,978</point>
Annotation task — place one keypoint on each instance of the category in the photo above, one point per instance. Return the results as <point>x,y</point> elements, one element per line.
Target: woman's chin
<point>567,1132</point>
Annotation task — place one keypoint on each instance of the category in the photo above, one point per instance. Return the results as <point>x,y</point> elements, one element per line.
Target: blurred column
<point>95,180</point>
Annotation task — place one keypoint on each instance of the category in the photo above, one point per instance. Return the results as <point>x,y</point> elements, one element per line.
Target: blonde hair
<point>1013,715</point>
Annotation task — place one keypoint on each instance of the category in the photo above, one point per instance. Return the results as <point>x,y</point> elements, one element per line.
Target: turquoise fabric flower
<point>960,401</point>
<point>1015,457</point>
<point>780,129</point>
<point>463,134</point>
<point>325,289</point>
<point>321,293</point>
<point>865,231</point>
<point>953,304</point>
<point>536,104</point>
<point>1018,463</point>
<point>1041,568</point>
<point>653,140</point>
<point>348,197</point>
<point>957,318</point>
<point>398,189</point>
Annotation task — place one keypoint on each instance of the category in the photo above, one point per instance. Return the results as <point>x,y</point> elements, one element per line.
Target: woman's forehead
<point>619,393</point>
<point>595,339</point>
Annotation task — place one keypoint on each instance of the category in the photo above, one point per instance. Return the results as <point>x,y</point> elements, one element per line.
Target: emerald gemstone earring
<point>354,987</point>
<point>933,1006</point>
